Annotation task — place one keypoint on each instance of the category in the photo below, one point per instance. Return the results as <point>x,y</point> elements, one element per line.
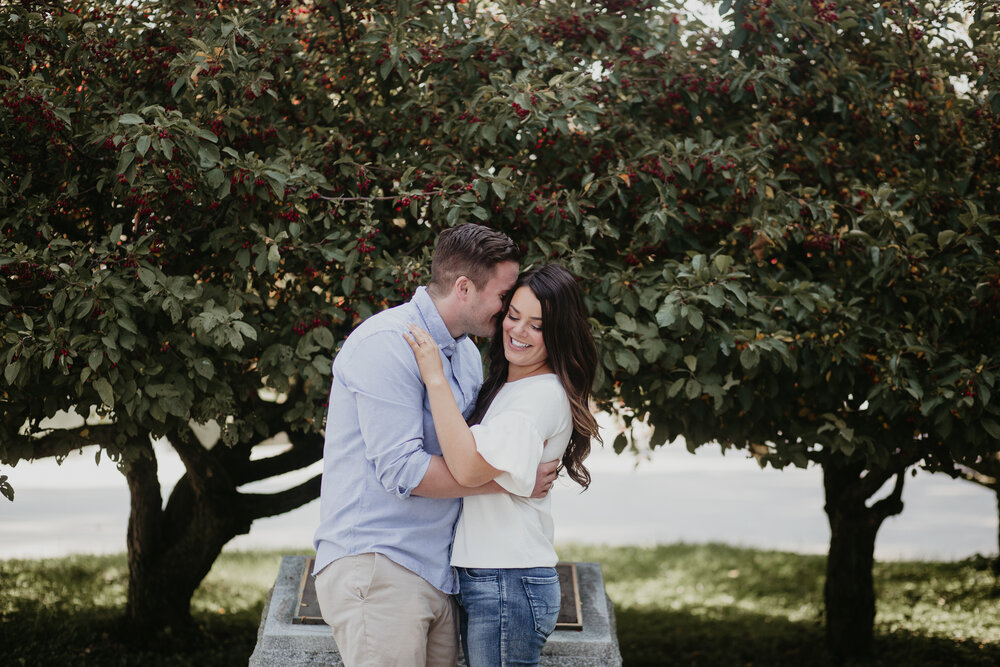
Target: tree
<point>863,337</point>
<point>780,229</point>
<point>200,199</point>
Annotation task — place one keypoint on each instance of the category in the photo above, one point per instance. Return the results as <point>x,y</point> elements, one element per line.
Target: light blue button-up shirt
<point>379,442</point>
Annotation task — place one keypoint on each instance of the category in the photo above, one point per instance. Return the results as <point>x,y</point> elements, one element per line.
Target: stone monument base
<point>284,641</point>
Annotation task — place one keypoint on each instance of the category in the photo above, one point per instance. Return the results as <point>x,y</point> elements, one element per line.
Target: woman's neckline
<point>529,377</point>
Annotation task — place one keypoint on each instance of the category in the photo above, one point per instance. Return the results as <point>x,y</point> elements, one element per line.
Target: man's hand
<point>545,477</point>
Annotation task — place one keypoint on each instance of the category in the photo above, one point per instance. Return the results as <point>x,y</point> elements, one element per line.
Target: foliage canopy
<point>786,230</point>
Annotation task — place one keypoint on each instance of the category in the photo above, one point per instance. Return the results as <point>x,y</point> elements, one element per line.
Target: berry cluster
<point>302,328</point>
<point>32,111</point>
<point>572,29</point>
<point>365,246</point>
<point>521,112</point>
<point>27,271</point>
<point>470,117</point>
<point>826,12</point>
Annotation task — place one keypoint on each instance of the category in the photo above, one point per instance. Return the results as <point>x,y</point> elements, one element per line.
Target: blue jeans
<point>505,615</point>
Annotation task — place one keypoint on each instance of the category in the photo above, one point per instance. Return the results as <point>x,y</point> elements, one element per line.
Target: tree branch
<point>990,481</point>
<point>62,442</point>
<point>872,480</point>
<point>893,503</point>
<point>307,448</point>
<point>260,505</point>
<point>204,471</point>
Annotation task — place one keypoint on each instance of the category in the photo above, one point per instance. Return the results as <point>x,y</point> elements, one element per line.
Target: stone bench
<point>286,637</point>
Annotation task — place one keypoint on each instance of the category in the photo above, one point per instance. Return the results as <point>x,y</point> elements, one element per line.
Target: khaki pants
<point>383,615</point>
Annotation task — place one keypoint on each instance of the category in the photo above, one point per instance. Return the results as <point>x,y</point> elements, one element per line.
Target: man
<point>388,503</point>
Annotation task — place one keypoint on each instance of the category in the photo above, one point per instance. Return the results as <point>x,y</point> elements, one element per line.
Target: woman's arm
<point>457,442</point>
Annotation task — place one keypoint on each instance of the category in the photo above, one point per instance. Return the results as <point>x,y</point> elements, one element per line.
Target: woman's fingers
<point>417,337</point>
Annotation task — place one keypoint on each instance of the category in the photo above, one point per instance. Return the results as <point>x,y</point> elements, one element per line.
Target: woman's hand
<point>427,354</point>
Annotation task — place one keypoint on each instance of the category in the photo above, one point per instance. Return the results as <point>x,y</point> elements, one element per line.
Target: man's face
<point>485,304</point>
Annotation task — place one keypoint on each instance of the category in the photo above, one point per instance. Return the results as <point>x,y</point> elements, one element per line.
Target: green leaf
<point>722,263</point>
<point>245,329</point>
<point>11,371</point>
<point>946,237</point>
<point>692,389</point>
<point>146,277</point>
<point>667,314</point>
<point>105,391</point>
<point>676,387</point>
<point>58,302</point>
<point>130,119</point>
<point>749,357</point>
<point>125,160</point>
<point>347,285</point>
<point>204,368</point>
<point>627,360</point>
<point>142,144</point>
<point>624,322</point>
<point>324,337</point>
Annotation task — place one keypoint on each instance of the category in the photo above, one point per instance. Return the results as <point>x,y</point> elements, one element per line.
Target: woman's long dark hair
<point>571,354</point>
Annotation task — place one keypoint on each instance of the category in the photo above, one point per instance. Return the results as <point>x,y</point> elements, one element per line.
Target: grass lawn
<point>679,604</point>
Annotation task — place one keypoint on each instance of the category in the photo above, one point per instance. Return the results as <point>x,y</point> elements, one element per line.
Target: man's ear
<point>462,287</point>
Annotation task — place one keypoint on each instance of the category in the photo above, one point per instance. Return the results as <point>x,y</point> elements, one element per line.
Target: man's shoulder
<point>468,346</point>
<point>391,320</point>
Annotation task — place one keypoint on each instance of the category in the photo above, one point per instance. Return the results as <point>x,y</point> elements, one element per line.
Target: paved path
<point>673,496</point>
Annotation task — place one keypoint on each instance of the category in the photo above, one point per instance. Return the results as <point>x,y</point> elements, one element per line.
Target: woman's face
<point>522,335</point>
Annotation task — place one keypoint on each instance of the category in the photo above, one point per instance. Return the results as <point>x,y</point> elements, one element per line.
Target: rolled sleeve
<point>382,373</point>
<point>513,444</point>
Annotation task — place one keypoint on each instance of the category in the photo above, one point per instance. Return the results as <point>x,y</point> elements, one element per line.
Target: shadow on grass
<point>656,638</point>
<point>40,636</point>
<point>676,605</point>
<point>67,611</point>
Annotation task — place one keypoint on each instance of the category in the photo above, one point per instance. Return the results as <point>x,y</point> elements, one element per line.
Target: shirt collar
<point>435,325</point>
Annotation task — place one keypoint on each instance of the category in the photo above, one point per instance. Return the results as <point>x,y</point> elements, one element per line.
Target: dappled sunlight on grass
<point>704,605</point>
<point>714,604</point>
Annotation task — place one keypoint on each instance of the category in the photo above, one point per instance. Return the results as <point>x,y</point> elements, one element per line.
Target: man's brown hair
<point>472,251</point>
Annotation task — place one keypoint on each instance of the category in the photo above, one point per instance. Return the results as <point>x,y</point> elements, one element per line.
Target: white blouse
<point>528,422</point>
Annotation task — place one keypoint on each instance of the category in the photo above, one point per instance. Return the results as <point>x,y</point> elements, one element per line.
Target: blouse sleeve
<point>510,442</point>
<point>513,439</point>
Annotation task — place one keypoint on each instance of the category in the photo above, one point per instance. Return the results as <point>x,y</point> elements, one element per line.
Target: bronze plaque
<point>307,605</point>
<point>570,615</point>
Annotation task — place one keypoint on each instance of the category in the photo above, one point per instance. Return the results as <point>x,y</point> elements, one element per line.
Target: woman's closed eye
<point>536,327</point>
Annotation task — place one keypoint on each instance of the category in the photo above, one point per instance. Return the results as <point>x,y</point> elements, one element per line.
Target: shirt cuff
<point>412,474</point>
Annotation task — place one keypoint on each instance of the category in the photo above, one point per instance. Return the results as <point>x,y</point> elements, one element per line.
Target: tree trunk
<point>170,552</point>
<point>849,591</point>
<point>171,549</point>
<point>996,562</point>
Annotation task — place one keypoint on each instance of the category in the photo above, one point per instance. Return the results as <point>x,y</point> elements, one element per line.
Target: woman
<point>533,407</point>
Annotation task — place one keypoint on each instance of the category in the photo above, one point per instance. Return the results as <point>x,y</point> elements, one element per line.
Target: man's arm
<point>438,482</point>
